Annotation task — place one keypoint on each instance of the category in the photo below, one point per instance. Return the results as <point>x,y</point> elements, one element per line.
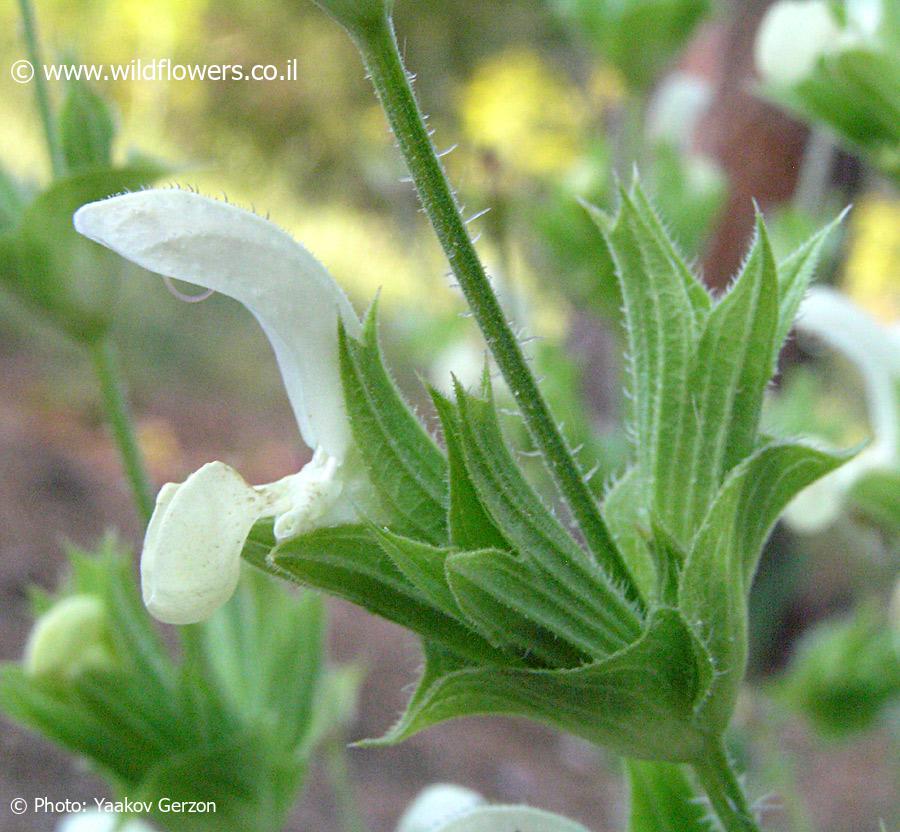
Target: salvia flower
<point>191,558</point>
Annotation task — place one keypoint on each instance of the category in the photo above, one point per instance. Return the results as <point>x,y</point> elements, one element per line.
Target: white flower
<point>448,808</point>
<point>676,108</point>
<point>101,822</point>
<point>792,37</point>
<point>191,556</point>
<point>832,318</point>
<point>436,805</point>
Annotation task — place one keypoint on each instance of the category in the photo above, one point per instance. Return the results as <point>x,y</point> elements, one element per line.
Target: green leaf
<point>640,702</point>
<point>856,93</point>
<point>86,129</point>
<point>348,562</point>
<point>771,478</point>
<point>723,557</point>
<point>528,525</point>
<point>718,425</point>
<point>471,527</point>
<point>662,799</point>
<point>406,467</point>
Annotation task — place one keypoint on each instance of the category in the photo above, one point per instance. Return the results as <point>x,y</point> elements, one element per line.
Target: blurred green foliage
<point>845,673</point>
<point>233,721</point>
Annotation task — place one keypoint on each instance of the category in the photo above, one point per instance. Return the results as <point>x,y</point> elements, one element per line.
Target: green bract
<point>640,646</point>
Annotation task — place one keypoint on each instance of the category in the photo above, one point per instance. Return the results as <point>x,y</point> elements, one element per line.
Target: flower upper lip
<point>183,235</point>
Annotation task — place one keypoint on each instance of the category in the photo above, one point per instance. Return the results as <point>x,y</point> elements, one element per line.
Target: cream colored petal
<point>192,550</point>
<point>189,237</point>
<point>792,37</point>
<point>437,805</point>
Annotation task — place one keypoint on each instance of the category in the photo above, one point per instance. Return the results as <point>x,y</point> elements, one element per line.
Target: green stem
<point>378,46</point>
<point>725,793</point>
<point>119,418</point>
<point>40,88</point>
<point>349,815</point>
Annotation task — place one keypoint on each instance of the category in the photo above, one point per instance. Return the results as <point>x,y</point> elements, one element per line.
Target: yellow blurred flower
<point>607,86</point>
<point>518,107</point>
<point>872,272</point>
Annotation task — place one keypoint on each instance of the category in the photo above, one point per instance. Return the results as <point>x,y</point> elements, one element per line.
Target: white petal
<point>221,247</point>
<point>101,822</point>
<point>191,559</point>
<point>436,805</point>
<point>792,37</point>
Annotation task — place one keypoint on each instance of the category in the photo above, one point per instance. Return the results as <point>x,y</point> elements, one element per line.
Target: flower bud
<point>73,636</point>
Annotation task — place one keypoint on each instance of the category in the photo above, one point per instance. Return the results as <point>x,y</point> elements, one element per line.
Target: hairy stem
<point>378,46</point>
<point>725,793</point>
<point>40,88</point>
<point>119,418</point>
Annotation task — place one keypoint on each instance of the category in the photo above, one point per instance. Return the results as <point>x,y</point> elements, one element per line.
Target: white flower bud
<point>71,637</point>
